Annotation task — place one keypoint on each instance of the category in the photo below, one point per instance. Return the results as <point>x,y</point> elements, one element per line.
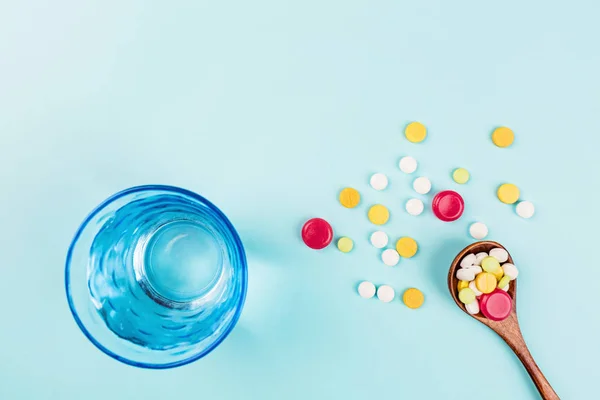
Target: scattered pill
<point>460,175</point>
<point>510,270</point>
<point>480,257</point>
<point>379,181</point>
<point>490,264</point>
<point>408,165</point>
<point>379,239</point>
<point>366,290</point>
<point>473,287</point>
<point>317,233</point>
<point>465,274</point>
<point>462,284</point>
<point>345,244</point>
<point>503,282</point>
<point>448,205</point>
<point>385,293</point>
<point>422,185</point>
<point>525,209</point>
<point>496,305</point>
<point>508,193</point>
<point>406,247</point>
<point>468,260</point>
<point>415,132</point>
<point>473,308</point>
<point>486,282</point>
<point>499,273</point>
<point>414,207</point>
<point>378,214</point>
<point>413,298</point>
<point>478,230</point>
<point>466,296</point>
<point>390,257</point>
<point>499,254</point>
<point>349,197</point>
<point>503,136</point>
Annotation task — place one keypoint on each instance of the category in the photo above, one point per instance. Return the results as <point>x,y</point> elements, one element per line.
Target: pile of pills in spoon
<point>483,283</point>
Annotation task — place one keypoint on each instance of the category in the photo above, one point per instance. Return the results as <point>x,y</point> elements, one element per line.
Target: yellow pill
<point>460,175</point>
<point>498,273</point>
<point>508,193</point>
<point>485,282</point>
<point>349,197</point>
<point>378,214</point>
<point>345,244</point>
<point>503,282</point>
<point>415,132</point>
<point>462,285</point>
<point>406,247</point>
<point>503,136</point>
<point>413,298</point>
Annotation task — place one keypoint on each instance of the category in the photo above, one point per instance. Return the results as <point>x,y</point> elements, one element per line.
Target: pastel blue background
<point>269,108</point>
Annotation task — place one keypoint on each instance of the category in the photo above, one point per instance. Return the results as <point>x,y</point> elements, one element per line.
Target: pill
<point>385,293</point>
<point>478,230</point>
<point>378,181</point>
<point>414,207</point>
<point>499,273</point>
<point>499,254</point>
<point>489,264</point>
<point>486,282</point>
<point>379,239</point>
<point>448,205</point>
<point>422,185</point>
<point>390,257</point>
<point>476,269</point>
<point>473,308</point>
<point>406,247</point>
<point>349,197</point>
<point>473,287</point>
<point>378,214</point>
<point>525,209</point>
<point>408,165</point>
<point>503,282</point>
<point>317,233</point>
<point>468,260</point>
<point>413,298</point>
<point>496,305</point>
<point>510,270</point>
<point>462,284</point>
<point>366,290</point>
<point>466,296</point>
<point>480,257</point>
<point>507,287</point>
<point>460,175</point>
<point>465,274</point>
<point>503,136</point>
<point>508,193</point>
<point>415,132</point>
<point>345,244</point>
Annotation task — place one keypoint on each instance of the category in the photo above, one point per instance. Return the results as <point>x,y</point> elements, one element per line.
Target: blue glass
<point>156,276</point>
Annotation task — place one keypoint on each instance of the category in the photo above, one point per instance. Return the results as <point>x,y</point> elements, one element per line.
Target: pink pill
<point>496,305</point>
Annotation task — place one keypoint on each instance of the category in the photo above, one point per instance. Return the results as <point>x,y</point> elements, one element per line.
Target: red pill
<point>448,205</point>
<point>317,233</point>
<point>496,305</point>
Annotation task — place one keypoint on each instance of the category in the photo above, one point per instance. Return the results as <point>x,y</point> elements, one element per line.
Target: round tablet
<point>345,244</point>
<point>414,207</point>
<point>415,132</point>
<point>349,197</point>
<point>486,282</point>
<point>378,214</point>
<point>496,305</point>
<point>422,185</point>
<point>317,233</point>
<point>472,308</point>
<point>448,205</point>
<point>406,247</point>
<point>408,165</point>
<point>385,293</point>
<point>525,209</point>
<point>413,298</point>
<point>499,254</point>
<point>478,230</point>
<point>503,136</point>
<point>508,193</point>
<point>460,175</point>
<point>366,290</point>
<point>390,257</point>
<point>379,181</point>
<point>379,239</point>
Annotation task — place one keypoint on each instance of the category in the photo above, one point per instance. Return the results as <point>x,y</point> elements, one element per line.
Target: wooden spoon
<point>508,329</point>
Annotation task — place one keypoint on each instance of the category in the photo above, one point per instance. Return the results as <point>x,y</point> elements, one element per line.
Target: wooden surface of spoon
<point>508,329</point>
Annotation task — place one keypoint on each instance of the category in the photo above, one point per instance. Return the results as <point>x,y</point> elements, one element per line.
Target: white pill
<point>379,181</point>
<point>366,290</point>
<point>390,257</point>
<point>422,185</point>
<point>478,230</point>
<point>505,288</point>
<point>468,260</point>
<point>499,254</point>
<point>408,165</point>
<point>379,239</point>
<point>510,270</point>
<point>473,307</point>
<point>480,257</point>
<point>385,293</point>
<point>473,287</point>
<point>476,269</point>
<point>414,207</point>
<point>525,209</point>
<point>465,274</point>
